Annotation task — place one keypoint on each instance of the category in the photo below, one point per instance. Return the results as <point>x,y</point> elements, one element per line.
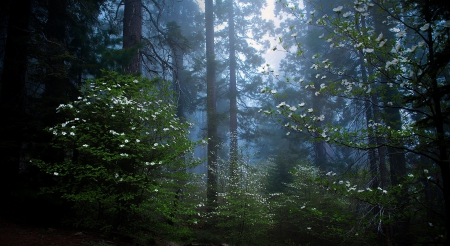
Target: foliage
<point>242,216</point>
<point>397,82</point>
<point>124,156</point>
<point>342,209</point>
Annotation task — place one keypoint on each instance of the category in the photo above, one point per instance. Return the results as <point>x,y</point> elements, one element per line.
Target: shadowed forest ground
<point>21,234</point>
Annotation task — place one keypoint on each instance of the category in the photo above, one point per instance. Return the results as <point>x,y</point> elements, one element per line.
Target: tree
<point>132,33</point>
<point>407,77</point>
<point>13,89</point>
<point>233,96</point>
<point>211,106</point>
<point>121,142</point>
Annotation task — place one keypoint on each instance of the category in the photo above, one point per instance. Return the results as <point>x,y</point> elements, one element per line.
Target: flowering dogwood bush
<point>384,62</point>
<point>125,155</point>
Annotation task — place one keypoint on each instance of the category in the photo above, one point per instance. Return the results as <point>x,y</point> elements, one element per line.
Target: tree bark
<point>211,107</point>
<point>132,33</point>
<point>13,93</point>
<point>233,94</point>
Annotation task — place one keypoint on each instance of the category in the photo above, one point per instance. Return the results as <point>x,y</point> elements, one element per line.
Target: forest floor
<point>20,234</point>
<point>24,234</point>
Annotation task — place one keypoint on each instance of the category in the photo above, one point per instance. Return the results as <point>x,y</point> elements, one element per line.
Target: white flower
<point>117,175</point>
<point>122,145</point>
<point>425,170</point>
<point>302,207</point>
<point>338,9</point>
<point>288,133</point>
<point>400,34</point>
<point>137,140</point>
<point>165,129</point>
<point>63,133</point>
<point>135,81</point>
<point>310,110</point>
<point>294,35</point>
<point>368,50</point>
<point>395,29</point>
<point>156,190</point>
<point>425,27</point>
<point>281,105</point>
<point>301,104</point>
<point>155,144</point>
<point>72,134</point>
<point>380,36</point>
<point>410,175</point>
<point>273,91</point>
<point>56,173</point>
<point>309,228</point>
<point>85,145</point>
<point>346,14</point>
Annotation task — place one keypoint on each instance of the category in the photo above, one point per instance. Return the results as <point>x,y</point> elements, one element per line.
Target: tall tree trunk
<point>56,81</point>
<point>211,107</point>
<point>233,94</point>
<point>177,61</point>
<point>373,168</point>
<point>132,33</point>
<point>12,96</point>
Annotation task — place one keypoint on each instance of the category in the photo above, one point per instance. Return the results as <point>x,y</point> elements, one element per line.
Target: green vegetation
<point>123,155</point>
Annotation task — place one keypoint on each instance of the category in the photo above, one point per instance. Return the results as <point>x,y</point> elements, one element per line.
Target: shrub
<point>125,155</point>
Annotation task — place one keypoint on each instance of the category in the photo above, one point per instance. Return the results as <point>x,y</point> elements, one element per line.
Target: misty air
<point>225,122</point>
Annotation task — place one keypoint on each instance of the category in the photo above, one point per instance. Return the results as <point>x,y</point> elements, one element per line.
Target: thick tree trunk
<point>13,92</point>
<point>56,82</point>
<point>177,61</point>
<point>211,107</point>
<point>233,94</point>
<point>132,33</point>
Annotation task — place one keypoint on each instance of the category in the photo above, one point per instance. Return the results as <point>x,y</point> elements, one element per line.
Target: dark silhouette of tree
<point>232,91</point>
<point>12,98</point>
<point>211,106</point>
<point>132,33</point>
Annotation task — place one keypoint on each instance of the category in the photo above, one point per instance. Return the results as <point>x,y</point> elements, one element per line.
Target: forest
<point>228,122</point>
